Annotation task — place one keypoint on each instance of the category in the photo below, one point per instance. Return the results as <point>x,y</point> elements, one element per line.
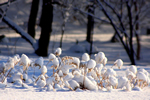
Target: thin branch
<point>5,3</point>
<point>81,11</point>
<point>59,3</point>
<point>65,19</point>
<point>92,15</point>
<point>114,26</point>
<point>4,12</point>
<point>118,16</point>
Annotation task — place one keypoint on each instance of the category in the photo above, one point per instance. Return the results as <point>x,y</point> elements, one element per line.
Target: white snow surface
<point>32,92</point>
<point>13,44</point>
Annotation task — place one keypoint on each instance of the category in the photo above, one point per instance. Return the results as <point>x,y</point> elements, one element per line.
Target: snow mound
<point>82,47</point>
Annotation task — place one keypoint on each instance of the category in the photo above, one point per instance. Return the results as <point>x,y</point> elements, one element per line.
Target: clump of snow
<point>133,69</point>
<point>44,69</point>
<point>91,64</point>
<point>39,62</point>
<point>55,63</point>
<point>51,56</point>
<point>74,84</point>
<point>118,63</point>
<point>58,52</point>
<point>100,57</point>
<point>85,57</point>
<point>24,61</point>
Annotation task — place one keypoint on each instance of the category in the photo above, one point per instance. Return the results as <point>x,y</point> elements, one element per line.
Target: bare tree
<point>128,44</point>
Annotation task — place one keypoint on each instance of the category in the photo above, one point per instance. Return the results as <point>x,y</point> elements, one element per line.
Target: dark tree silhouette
<point>45,24</point>
<point>32,17</point>
<point>90,26</point>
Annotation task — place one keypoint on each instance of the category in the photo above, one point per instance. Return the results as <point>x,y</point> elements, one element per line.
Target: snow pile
<point>84,46</point>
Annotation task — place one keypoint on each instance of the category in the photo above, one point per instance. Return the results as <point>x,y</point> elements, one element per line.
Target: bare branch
<point>5,3</point>
<point>118,16</point>
<point>91,15</point>
<point>114,26</point>
<point>4,12</point>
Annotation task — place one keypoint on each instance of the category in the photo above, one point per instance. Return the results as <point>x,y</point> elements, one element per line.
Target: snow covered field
<point>15,91</point>
<point>114,51</point>
<point>17,45</point>
<point>73,32</point>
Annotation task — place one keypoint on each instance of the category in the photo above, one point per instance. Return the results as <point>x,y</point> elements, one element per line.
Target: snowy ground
<point>31,92</point>
<point>113,51</point>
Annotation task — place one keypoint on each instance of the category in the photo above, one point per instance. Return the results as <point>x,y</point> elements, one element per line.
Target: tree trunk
<point>148,31</point>
<point>62,28</point>
<point>131,34</point>
<point>90,27</point>
<point>114,38</point>
<point>32,18</point>
<point>46,27</point>
<point>137,34</point>
<point>138,46</point>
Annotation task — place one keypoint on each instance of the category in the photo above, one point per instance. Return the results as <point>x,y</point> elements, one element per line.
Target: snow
<point>85,57</point>
<point>51,56</point>
<point>58,52</point>
<point>30,91</point>
<point>118,63</point>
<point>39,62</point>
<point>17,94</point>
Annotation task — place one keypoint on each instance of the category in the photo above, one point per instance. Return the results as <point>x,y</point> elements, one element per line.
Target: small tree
<point>90,26</point>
